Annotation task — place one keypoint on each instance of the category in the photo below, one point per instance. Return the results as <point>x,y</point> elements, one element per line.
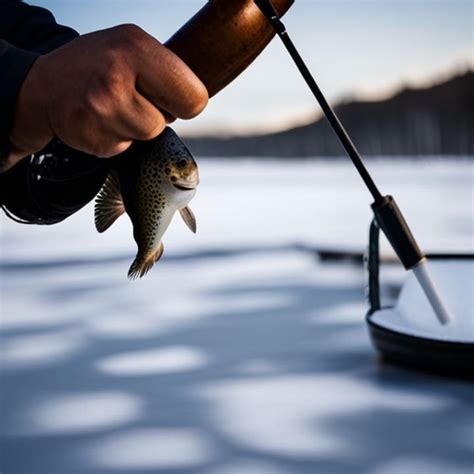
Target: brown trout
<point>151,182</point>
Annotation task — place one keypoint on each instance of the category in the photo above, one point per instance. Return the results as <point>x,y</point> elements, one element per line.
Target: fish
<point>150,182</point>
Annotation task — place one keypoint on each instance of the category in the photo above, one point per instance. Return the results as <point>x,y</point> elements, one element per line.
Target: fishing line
<point>271,14</point>
<point>387,214</point>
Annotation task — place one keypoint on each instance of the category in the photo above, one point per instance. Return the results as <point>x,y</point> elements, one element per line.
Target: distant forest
<point>438,120</point>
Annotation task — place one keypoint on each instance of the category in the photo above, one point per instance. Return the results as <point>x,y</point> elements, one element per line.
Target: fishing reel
<point>217,43</point>
<point>49,186</point>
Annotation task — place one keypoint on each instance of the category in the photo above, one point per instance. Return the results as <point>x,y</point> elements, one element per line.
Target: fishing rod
<point>387,214</point>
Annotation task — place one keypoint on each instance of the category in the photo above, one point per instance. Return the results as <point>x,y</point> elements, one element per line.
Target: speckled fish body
<point>153,181</point>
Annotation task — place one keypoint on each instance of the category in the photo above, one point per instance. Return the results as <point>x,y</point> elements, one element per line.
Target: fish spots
<point>152,196</point>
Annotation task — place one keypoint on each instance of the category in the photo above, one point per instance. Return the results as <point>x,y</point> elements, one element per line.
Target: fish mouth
<point>185,186</point>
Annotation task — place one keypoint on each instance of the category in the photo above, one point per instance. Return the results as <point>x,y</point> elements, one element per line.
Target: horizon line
<point>302,119</point>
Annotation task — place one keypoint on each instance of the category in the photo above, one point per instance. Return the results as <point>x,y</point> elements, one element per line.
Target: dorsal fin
<point>109,203</point>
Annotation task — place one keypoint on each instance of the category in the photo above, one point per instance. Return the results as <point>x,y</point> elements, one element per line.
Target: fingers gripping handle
<point>223,39</point>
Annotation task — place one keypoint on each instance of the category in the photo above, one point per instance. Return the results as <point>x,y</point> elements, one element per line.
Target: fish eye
<point>182,163</point>
<point>173,178</point>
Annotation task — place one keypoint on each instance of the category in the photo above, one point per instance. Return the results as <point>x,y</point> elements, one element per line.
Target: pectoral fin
<point>109,203</point>
<point>143,262</point>
<point>188,218</point>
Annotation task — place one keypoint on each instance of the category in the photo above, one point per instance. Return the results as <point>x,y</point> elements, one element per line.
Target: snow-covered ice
<point>414,315</point>
<point>240,352</point>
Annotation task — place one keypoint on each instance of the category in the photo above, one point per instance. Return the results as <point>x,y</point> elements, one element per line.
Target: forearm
<point>14,65</point>
<point>25,33</point>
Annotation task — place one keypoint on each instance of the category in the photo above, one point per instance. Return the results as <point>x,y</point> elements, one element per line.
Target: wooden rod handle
<point>223,38</point>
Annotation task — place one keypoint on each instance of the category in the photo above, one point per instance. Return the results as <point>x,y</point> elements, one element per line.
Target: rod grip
<point>223,38</point>
<point>393,224</point>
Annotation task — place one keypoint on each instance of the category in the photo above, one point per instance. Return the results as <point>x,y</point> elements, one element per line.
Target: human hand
<point>101,91</point>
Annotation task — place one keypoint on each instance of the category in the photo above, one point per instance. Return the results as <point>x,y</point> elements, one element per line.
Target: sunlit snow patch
<point>80,413</point>
<point>29,352</point>
<point>290,415</point>
<point>249,467</point>
<point>151,449</point>
<point>341,314</point>
<point>156,361</point>
<point>420,465</point>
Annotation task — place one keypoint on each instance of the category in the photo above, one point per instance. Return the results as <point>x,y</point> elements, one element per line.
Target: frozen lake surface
<point>240,352</point>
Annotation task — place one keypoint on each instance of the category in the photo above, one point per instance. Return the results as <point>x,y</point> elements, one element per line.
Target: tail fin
<point>109,203</point>
<point>143,262</point>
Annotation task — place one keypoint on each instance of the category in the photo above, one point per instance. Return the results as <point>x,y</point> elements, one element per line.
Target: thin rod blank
<point>421,272</point>
<point>327,109</point>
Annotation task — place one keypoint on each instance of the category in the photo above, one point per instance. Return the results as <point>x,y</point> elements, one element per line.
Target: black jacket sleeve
<point>25,33</point>
<point>14,65</point>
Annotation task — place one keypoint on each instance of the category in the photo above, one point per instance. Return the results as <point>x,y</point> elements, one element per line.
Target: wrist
<point>31,130</point>
<point>14,65</point>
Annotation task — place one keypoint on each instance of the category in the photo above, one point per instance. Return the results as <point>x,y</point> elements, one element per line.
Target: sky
<point>355,48</point>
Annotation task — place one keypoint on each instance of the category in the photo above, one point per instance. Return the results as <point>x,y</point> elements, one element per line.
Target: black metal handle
<point>395,227</point>
<point>373,267</point>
